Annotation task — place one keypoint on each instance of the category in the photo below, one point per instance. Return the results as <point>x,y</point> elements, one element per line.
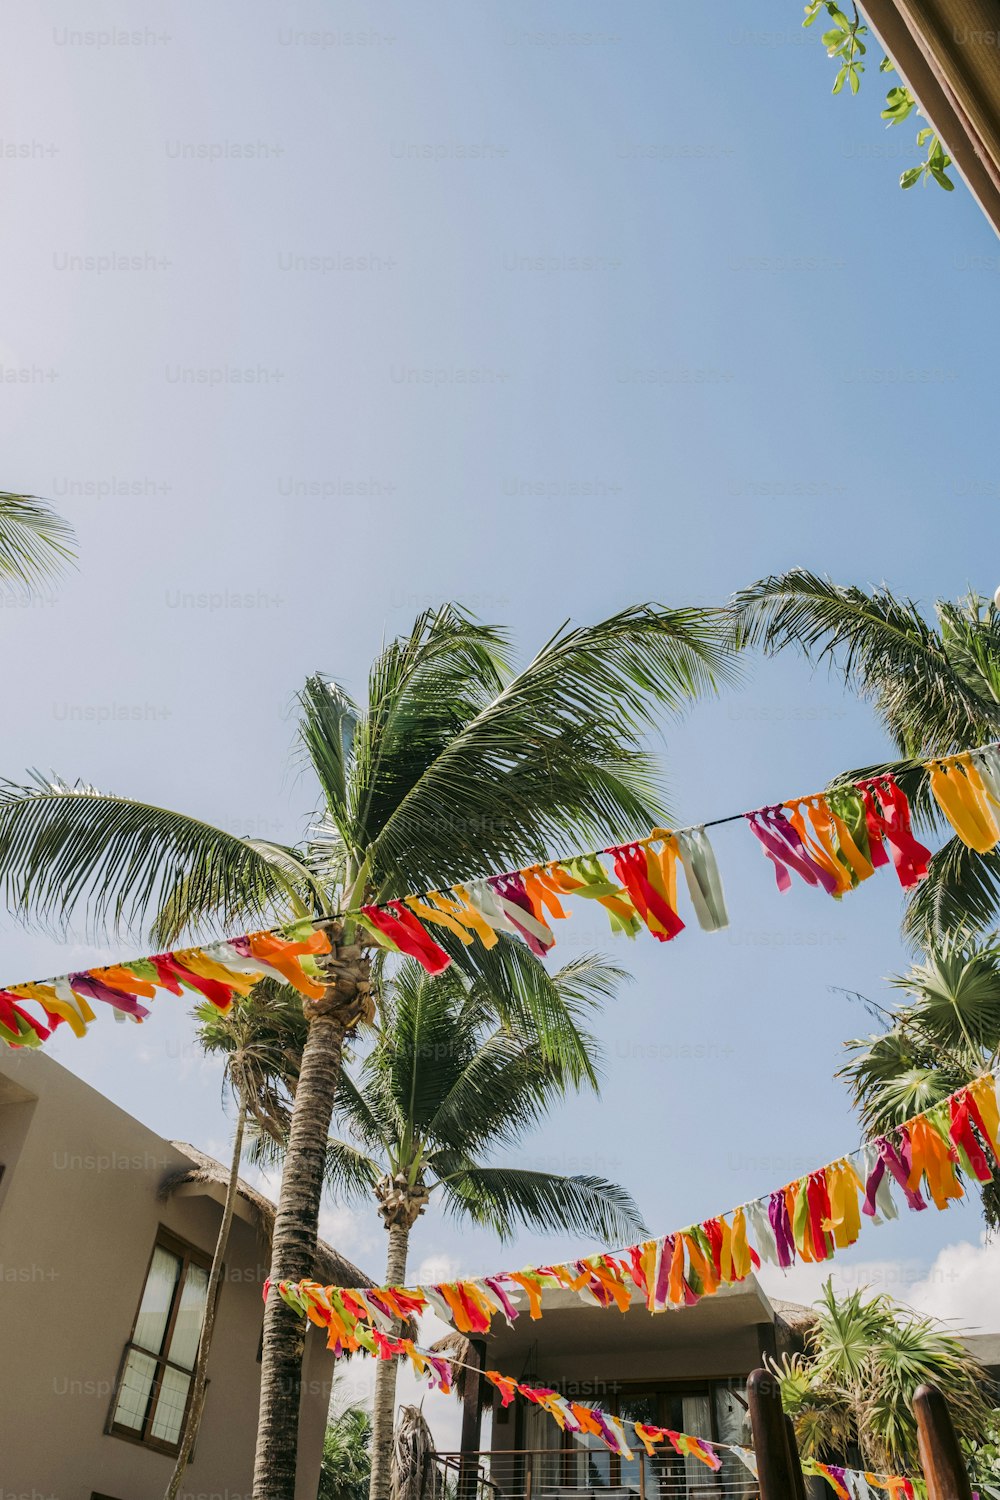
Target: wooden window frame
<point>189,1255</point>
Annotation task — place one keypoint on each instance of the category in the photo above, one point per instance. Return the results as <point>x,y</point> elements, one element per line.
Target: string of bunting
<point>217,972</point>
<point>592,1421</point>
<point>832,841</point>
<point>809,1219</point>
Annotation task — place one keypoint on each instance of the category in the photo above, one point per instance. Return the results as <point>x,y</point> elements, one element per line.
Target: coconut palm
<point>441,1091</point>
<point>945,1034</point>
<point>34,541</point>
<point>457,765</point>
<point>935,688</point>
<point>261,1041</point>
<point>865,1357</point>
<point>346,1464</point>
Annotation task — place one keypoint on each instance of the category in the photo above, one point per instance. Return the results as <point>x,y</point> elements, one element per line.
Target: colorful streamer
<point>832,841</point>
<point>218,972</point>
<point>808,1220</point>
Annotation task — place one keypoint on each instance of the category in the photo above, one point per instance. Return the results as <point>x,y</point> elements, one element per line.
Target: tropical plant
<point>441,1091</point>
<point>413,1475</point>
<point>34,541</point>
<point>945,1034</point>
<point>457,765</point>
<point>261,1040</point>
<point>936,690</point>
<point>865,1357</point>
<point>845,43</point>
<point>346,1464</point>
<point>982,1459</point>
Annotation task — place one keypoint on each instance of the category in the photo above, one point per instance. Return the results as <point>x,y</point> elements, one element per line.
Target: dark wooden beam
<point>794,1462</point>
<point>770,1438</point>
<point>940,1456</point>
<point>472,1422</point>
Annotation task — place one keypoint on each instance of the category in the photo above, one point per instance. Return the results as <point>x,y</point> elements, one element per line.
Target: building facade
<point>686,1370</point>
<point>106,1237</point>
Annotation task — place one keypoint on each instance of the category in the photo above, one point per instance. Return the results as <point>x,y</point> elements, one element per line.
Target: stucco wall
<point>79,1214</point>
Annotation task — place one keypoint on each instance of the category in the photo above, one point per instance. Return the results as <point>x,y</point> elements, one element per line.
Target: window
<point>155,1377</point>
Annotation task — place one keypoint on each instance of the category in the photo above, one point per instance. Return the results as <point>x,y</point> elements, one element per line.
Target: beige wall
<point>78,1217</point>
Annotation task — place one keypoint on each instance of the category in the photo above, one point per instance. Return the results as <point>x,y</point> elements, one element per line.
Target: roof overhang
<point>948,54</point>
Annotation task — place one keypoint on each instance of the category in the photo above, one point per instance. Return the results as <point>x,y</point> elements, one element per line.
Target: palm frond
<point>884,648</point>
<point>501,1197</point>
<point>959,897</point>
<point>35,542</point>
<point>349,1173</point>
<point>517,991</point>
<point>65,847</point>
<point>956,998</point>
<point>327,726</point>
<point>457,774</point>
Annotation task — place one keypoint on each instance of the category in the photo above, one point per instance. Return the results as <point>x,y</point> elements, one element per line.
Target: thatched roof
<point>457,1346</point>
<point>796,1318</point>
<point>331,1268</point>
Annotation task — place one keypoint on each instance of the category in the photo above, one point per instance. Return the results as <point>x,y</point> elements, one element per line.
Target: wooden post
<point>794,1461</point>
<point>472,1413</point>
<point>940,1457</point>
<point>770,1439</point>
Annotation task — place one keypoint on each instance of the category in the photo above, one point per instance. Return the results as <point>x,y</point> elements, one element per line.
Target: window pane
<point>697,1409</point>
<point>154,1309</point>
<point>184,1344</point>
<point>134,1391</point>
<point>170,1406</point>
<point>733,1426</point>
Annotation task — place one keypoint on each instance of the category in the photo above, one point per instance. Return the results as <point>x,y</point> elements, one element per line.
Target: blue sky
<point>545,308</point>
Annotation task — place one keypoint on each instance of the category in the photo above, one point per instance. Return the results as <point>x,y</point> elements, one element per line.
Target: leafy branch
<point>843,42</point>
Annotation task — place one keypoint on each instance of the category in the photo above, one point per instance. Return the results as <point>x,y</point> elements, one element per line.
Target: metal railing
<point>577,1473</point>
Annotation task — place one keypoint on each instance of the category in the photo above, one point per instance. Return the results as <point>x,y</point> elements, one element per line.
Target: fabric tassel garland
<point>808,1220</point>
<point>832,841</point>
<point>219,973</point>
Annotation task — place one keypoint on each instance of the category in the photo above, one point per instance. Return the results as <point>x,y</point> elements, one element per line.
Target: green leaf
<point>840,80</point>
<point>35,542</point>
<point>911,176</point>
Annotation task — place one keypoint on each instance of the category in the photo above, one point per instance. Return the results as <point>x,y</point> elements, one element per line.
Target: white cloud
<point>961,1287</point>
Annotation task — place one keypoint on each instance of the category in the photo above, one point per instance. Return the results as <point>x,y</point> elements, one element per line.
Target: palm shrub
<point>935,686</point>
<point>346,1465</point>
<point>946,1033</point>
<point>457,764</point>
<point>443,1089</point>
<point>865,1357</point>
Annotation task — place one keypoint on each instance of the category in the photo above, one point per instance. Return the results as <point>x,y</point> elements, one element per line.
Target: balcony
<point>576,1472</point>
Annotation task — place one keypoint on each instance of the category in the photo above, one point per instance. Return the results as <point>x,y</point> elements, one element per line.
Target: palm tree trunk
<point>192,1420</point>
<point>293,1256</point>
<point>386,1370</point>
<point>296,1224</point>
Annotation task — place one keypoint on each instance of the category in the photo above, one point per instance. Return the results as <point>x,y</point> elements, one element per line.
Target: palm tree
<point>346,1465</point>
<point>944,1035</point>
<point>261,1040</point>
<point>457,765</point>
<point>34,541</point>
<point>865,1357</point>
<point>936,690</point>
<point>443,1088</point>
